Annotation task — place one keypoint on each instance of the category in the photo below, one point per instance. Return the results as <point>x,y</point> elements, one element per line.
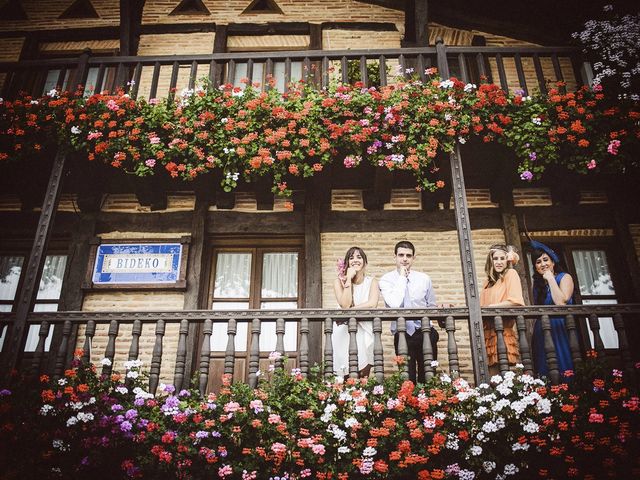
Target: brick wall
<point>172,44</point>
<point>442,264</point>
<point>10,52</point>
<point>128,203</point>
<point>43,14</point>
<point>314,11</point>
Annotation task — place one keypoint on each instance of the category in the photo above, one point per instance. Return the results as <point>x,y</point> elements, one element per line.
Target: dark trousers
<point>416,357</point>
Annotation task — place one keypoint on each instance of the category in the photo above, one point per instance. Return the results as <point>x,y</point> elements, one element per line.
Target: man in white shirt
<point>406,288</point>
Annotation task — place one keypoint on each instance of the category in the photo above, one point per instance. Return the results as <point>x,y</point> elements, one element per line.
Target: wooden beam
<point>26,296</point>
<point>171,222</point>
<point>512,237</point>
<point>313,274</point>
<point>193,295</point>
<point>259,224</point>
<point>125,28</point>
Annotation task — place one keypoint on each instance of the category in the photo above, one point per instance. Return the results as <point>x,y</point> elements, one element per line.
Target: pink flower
<point>341,267</point>
<point>154,140</point>
<point>232,407</point>
<point>150,162</point>
<point>592,164</point>
<point>613,147</point>
<point>350,162</point>
<point>278,448</point>
<point>224,471</point>
<point>94,135</point>
<point>526,175</point>
<point>318,449</point>
<point>273,419</point>
<point>112,105</point>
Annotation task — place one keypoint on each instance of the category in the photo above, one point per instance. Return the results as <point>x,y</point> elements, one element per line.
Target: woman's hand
<point>350,274</point>
<point>549,276</point>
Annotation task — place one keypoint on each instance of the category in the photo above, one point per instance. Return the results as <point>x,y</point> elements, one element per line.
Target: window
<point>594,282</point>
<point>255,278</point>
<point>47,298</point>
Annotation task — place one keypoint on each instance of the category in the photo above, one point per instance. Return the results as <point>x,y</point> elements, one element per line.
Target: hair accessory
<point>548,250</point>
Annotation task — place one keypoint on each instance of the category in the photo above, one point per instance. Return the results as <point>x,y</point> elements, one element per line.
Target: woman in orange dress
<point>501,289</point>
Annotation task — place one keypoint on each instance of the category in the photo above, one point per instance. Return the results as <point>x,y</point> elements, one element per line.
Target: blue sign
<point>137,263</point>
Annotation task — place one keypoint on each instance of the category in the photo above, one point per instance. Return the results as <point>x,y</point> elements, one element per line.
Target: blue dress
<point>559,335</point>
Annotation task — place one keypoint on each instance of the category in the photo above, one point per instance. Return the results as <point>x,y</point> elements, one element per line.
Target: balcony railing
<point>525,68</point>
<point>453,330</point>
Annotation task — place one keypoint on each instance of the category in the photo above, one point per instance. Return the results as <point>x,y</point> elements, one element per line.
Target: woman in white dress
<point>354,289</point>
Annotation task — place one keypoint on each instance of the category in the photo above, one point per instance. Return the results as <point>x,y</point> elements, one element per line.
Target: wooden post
<point>416,23</point>
<point>17,333</point>
<point>193,293</point>
<point>478,351</point>
<point>313,272</point>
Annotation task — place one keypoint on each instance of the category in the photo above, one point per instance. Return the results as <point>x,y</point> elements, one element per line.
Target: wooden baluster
<point>523,345</point>
<point>304,347</point>
<point>481,64</point>
<point>175,69</point>
<point>353,348</point>
<point>118,80</point>
<point>137,75</point>
<point>325,72</point>
<point>287,74</point>
<point>344,67</point>
<point>62,350</point>
<point>100,78</point>
<point>230,352</point>
<point>542,84</point>
<point>193,75</point>
<point>250,71</point>
<point>574,343</point>
<point>427,348</point>
<point>134,348</point>
<point>403,66</point>
<point>306,70</point>
<point>328,348</point>
<point>403,349</point>
<point>89,333</point>
<point>36,365</point>
<point>556,68</point>
<point>60,84</point>
<point>378,350</point>
<point>364,74</point>
<point>550,350</point>
<point>181,357</point>
<point>280,328</point>
<point>231,72</point>
<point>420,67</point>
<point>503,359</point>
<point>623,344</point>
<point>452,347</point>
<point>268,74</point>
<point>214,70</point>
<point>254,356</point>
<point>383,70</point>
<point>594,324</point>
<point>156,358</point>
<point>501,73</point>
<point>464,72</point>
<point>522,78</point>
<point>205,357</point>
<point>110,349</point>
<point>153,92</point>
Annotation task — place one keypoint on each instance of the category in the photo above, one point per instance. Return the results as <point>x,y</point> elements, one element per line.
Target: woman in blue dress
<point>551,286</point>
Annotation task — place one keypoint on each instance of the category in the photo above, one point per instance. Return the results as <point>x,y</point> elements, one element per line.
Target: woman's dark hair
<point>350,252</point>
<point>539,285</point>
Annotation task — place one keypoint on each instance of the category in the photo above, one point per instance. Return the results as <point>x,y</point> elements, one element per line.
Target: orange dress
<point>508,288</point>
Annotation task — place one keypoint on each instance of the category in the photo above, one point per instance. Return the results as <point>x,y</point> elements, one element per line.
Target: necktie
<point>411,327</point>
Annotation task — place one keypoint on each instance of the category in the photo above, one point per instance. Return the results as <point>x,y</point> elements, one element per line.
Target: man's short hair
<point>404,244</point>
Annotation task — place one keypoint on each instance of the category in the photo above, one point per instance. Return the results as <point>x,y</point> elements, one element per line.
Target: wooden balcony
<point>513,68</point>
<point>124,330</point>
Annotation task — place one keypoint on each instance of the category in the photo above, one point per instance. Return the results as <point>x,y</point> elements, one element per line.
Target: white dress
<point>364,336</point>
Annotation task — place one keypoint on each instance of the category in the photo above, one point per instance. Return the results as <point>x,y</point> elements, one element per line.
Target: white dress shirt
<point>393,287</point>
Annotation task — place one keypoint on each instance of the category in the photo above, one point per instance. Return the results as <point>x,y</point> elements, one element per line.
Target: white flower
<point>34,102</point>
<point>238,93</point>
<point>488,466</point>
<point>350,422</point>
<point>343,449</point>
<point>470,86</point>
<point>434,363</point>
<point>133,374</point>
<point>531,427</point>
<point>536,120</point>
<point>452,444</point>
<point>75,130</point>
<point>378,390</point>
<point>510,469</point>
<point>53,93</point>
<point>122,389</point>
<point>62,382</point>
<point>131,364</point>
<point>85,417</point>
<point>466,475</point>
<point>446,84</point>
<point>369,452</point>
<point>462,140</point>
<point>475,450</point>
<point>544,406</point>
<point>45,409</point>
<point>105,362</point>
<point>72,421</point>
<point>519,446</point>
